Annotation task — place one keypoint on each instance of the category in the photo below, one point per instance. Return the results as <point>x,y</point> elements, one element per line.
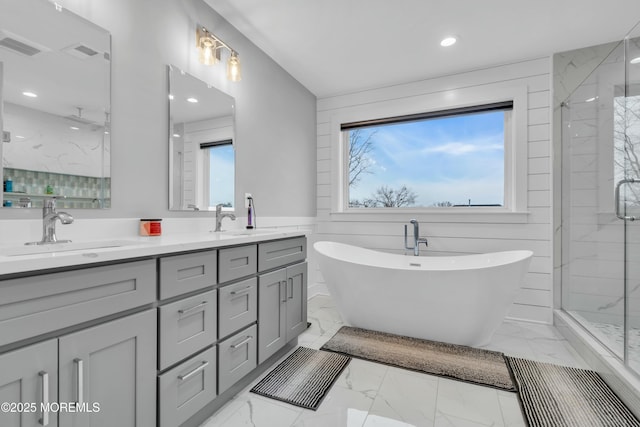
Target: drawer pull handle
<point>284,290</point>
<point>80,381</point>
<point>241,291</point>
<point>291,283</point>
<point>198,307</point>
<point>194,371</point>
<point>45,398</point>
<point>241,343</point>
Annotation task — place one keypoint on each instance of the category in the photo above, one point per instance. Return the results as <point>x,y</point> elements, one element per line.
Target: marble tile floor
<point>370,395</point>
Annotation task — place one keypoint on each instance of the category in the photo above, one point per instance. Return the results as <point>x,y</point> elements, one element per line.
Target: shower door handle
<point>617,197</point>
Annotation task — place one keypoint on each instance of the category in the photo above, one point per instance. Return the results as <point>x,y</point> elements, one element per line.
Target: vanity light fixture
<point>210,52</point>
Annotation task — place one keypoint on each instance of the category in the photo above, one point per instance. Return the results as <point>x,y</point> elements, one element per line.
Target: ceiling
<point>67,83</point>
<point>342,46</point>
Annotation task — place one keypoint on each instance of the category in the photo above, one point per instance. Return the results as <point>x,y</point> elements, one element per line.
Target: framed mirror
<point>55,107</point>
<point>201,144</point>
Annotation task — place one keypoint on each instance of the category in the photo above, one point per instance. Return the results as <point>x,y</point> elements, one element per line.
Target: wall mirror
<point>55,107</point>
<point>201,138</point>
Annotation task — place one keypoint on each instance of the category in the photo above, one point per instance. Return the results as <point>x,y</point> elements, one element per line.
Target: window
<point>218,166</point>
<point>450,158</point>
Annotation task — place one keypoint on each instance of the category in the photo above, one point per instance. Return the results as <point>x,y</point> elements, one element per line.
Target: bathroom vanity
<point>156,334</point>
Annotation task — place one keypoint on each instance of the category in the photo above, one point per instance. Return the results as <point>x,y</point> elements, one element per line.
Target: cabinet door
<point>29,375</point>
<point>272,300</point>
<point>237,306</point>
<point>237,356</point>
<point>186,327</point>
<point>112,366</point>
<point>296,300</point>
<point>187,388</point>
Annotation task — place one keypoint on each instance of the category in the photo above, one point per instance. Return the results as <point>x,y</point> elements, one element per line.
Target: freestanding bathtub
<point>455,299</point>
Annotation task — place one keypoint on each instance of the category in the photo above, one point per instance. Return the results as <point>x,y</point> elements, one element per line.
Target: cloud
<point>460,148</point>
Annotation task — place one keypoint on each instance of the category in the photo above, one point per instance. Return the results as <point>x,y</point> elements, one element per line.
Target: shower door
<point>593,239</point>
<point>628,198</point>
<point>601,199</point>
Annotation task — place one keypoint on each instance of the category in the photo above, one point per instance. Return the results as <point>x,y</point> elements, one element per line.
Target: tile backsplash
<point>78,191</point>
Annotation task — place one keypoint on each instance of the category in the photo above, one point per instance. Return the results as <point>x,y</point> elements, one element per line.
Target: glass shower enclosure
<point>601,202</point>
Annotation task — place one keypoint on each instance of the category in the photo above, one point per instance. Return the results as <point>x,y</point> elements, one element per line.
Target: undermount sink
<point>50,248</point>
<point>237,233</point>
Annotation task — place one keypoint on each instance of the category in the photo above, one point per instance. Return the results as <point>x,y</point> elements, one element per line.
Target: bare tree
<point>387,197</point>
<point>627,143</point>
<point>360,145</point>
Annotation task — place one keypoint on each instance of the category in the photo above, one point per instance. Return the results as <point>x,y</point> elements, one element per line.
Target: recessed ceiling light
<point>74,128</point>
<point>448,41</point>
<point>591,99</point>
<point>176,135</point>
<point>19,137</point>
<point>193,100</point>
<point>29,94</point>
<point>170,97</point>
<point>635,60</point>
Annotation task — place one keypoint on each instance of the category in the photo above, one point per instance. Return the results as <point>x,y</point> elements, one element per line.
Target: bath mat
<point>303,378</point>
<point>553,396</point>
<point>458,362</point>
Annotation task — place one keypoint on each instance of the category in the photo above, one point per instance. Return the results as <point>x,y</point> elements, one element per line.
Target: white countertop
<point>98,251</point>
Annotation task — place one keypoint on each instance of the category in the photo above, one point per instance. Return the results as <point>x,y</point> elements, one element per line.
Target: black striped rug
<point>555,396</point>
<point>303,378</point>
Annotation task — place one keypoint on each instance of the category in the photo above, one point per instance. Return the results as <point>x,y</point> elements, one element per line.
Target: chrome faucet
<point>416,238</point>
<point>49,217</point>
<point>220,215</point>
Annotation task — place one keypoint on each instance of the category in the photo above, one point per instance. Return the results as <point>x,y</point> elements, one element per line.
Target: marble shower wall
<point>591,126</point>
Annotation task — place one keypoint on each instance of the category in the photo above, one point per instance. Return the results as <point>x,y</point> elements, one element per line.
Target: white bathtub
<point>454,299</point>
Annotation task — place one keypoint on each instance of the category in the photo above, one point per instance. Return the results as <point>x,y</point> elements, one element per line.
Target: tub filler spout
<point>416,238</point>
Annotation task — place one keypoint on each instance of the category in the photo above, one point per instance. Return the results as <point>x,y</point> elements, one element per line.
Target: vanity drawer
<point>237,356</point>
<point>187,388</point>
<point>238,306</point>
<point>238,262</point>
<point>180,274</point>
<point>187,326</point>
<point>282,252</point>
<point>35,305</point>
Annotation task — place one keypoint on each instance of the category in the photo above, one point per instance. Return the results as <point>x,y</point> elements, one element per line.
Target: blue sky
<point>447,159</point>
<point>221,188</point>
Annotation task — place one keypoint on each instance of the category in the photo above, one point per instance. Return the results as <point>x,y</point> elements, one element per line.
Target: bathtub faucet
<point>416,238</point>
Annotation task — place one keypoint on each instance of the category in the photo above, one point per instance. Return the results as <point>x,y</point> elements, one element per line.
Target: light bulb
<point>207,49</point>
<point>448,41</point>
<point>233,68</point>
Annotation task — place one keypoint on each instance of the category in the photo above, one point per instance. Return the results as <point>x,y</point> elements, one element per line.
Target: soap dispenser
<point>251,213</point>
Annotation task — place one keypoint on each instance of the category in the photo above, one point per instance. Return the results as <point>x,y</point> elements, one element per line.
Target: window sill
<point>444,215</point>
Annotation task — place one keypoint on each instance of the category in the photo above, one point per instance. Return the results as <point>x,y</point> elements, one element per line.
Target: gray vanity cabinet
<point>29,375</point>
<point>282,308</point>
<point>272,311</point>
<point>236,357</point>
<point>186,326</point>
<point>187,388</point>
<point>296,300</point>
<point>111,365</point>
<point>238,306</point>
